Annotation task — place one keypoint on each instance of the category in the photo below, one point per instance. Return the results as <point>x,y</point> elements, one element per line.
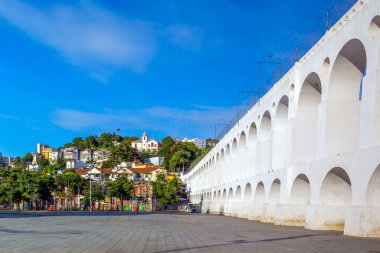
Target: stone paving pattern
<point>163,232</point>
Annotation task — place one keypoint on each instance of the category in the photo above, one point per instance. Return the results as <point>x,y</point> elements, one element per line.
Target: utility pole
<point>221,122</point>
<point>90,188</point>
<point>91,166</point>
<point>325,19</point>
<point>259,73</point>
<point>247,89</point>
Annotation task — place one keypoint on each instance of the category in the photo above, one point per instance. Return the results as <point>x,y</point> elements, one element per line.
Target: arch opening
<point>238,194</point>
<point>242,141</point>
<point>281,140</point>
<point>246,203</point>
<point>252,136</point>
<point>336,188</point>
<point>265,137</point>
<point>228,152</point>
<point>373,204</point>
<point>343,99</point>
<point>234,148</point>
<point>306,120</point>
<point>224,197</point>
<point>373,189</point>
<point>252,146</point>
<point>230,195</point>
<point>259,202</point>
<point>374,27</point>
<point>334,199</point>
<point>274,194</point>
<point>300,193</point>
<point>326,65</point>
<point>291,91</point>
<point>273,201</point>
<point>260,193</point>
<point>247,193</point>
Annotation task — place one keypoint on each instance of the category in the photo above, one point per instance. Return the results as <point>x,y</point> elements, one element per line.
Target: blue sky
<point>74,68</point>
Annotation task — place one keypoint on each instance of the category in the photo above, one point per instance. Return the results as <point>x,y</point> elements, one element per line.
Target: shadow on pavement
<point>240,242</point>
<point>31,214</point>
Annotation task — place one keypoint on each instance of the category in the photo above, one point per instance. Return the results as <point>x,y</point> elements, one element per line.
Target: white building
<point>7,161</point>
<point>197,142</point>
<point>100,155</point>
<point>55,155</point>
<point>71,154</point>
<point>158,160</point>
<point>85,155</point>
<point>145,145</point>
<point>73,164</point>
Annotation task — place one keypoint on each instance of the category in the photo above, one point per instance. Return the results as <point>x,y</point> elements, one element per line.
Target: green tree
<point>105,140</point>
<point>128,140</point>
<point>180,159</point>
<point>61,162</point>
<point>122,152</point>
<point>97,193</point>
<point>27,158</point>
<point>71,180</point>
<point>166,191</point>
<point>168,155</point>
<point>78,142</point>
<point>51,169</point>
<point>122,188</point>
<point>90,142</point>
<point>108,164</point>
<point>42,162</point>
<point>117,138</point>
<point>68,145</point>
<point>166,145</point>
<point>43,186</point>
<point>146,154</point>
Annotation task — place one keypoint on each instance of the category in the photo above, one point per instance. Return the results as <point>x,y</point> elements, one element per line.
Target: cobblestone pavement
<point>163,232</point>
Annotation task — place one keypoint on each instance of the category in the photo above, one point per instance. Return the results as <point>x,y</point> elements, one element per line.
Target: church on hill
<point>145,144</point>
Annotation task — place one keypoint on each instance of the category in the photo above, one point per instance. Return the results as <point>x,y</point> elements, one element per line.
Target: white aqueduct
<point>309,153</point>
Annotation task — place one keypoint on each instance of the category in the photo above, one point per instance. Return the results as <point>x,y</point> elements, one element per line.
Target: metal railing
<point>333,14</point>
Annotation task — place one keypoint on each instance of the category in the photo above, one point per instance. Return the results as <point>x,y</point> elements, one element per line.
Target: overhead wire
<point>335,12</point>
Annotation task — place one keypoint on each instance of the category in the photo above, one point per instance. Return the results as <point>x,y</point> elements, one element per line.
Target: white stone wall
<point>308,154</point>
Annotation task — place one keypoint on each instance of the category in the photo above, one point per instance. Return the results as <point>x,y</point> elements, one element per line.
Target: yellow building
<point>47,152</point>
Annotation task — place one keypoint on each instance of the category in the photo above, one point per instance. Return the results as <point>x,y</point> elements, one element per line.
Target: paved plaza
<point>163,232</point>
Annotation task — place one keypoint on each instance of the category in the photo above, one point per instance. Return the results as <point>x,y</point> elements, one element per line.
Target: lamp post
<point>11,200</point>
<point>90,189</point>
<point>68,187</point>
<point>91,166</point>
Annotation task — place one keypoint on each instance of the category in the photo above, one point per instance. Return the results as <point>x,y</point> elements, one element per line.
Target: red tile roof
<point>145,170</point>
<point>82,171</point>
<point>106,171</point>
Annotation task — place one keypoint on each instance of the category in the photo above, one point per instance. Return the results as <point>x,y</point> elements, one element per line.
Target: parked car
<point>4,206</point>
<point>193,208</point>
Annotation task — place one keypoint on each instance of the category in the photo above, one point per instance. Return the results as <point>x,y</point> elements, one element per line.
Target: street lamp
<point>91,167</point>
<point>90,188</point>
<point>12,200</point>
<point>67,195</point>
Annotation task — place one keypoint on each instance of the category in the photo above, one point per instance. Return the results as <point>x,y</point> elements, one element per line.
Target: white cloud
<point>85,35</point>
<point>197,121</point>
<point>184,36</point>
